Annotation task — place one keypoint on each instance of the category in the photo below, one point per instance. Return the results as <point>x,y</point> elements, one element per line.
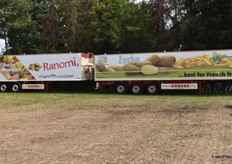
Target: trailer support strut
<point>47,85</point>
<point>200,88</point>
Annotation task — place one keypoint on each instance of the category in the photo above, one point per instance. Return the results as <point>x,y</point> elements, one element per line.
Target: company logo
<point>60,65</point>
<point>216,58</point>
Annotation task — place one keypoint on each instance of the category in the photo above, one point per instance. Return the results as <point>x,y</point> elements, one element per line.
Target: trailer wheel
<point>206,89</point>
<point>137,88</point>
<point>218,88</point>
<point>152,88</point>
<point>121,88</point>
<point>228,89</point>
<point>4,87</point>
<point>15,87</point>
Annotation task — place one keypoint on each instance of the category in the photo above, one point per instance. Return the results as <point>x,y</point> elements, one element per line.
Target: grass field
<point>109,128</point>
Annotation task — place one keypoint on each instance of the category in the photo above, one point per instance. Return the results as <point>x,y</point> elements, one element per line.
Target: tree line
<point>115,26</point>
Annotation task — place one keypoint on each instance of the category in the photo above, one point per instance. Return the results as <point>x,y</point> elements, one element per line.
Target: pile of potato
<point>151,66</point>
<point>34,67</point>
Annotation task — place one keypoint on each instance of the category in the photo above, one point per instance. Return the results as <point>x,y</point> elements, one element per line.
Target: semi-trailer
<point>136,73</point>
<point>204,71</point>
<point>36,72</point>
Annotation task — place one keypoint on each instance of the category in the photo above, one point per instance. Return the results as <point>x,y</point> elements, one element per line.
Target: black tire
<point>152,89</point>
<point>228,89</point>
<point>4,87</point>
<point>218,88</point>
<point>206,89</point>
<point>121,88</point>
<point>136,88</point>
<point>16,87</point>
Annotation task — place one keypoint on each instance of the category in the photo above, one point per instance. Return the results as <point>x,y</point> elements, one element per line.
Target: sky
<point>139,1</point>
<point>2,44</point>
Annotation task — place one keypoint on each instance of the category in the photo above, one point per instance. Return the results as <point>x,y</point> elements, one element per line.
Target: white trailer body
<point>31,71</point>
<point>194,65</point>
<point>168,70</point>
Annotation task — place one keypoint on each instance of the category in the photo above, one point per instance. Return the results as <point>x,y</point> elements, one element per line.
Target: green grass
<point>102,100</point>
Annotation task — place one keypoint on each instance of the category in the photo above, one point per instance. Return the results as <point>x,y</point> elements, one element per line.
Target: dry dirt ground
<point>101,132</point>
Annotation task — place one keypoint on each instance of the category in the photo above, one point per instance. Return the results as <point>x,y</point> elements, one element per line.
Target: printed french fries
<point>203,60</point>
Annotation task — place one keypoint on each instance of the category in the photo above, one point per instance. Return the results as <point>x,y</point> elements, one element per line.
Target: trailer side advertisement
<point>40,67</point>
<point>165,66</point>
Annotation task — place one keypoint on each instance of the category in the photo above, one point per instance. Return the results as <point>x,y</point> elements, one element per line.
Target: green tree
<point>207,25</point>
<point>160,13</point>
<point>14,18</point>
<point>176,14</point>
<point>86,26</point>
<point>50,26</point>
<point>109,22</point>
<point>138,31</point>
<point>70,24</point>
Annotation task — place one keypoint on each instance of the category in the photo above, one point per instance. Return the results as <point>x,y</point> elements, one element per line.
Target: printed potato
<point>38,65</point>
<point>166,61</point>
<point>34,67</point>
<point>31,67</point>
<point>135,64</point>
<point>37,68</point>
<point>166,69</point>
<point>132,69</point>
<point>149,70</point>
<point>108,70</point>
<point>153,59</point>
<point>100,67</point>
<point>117,68</point>
<point>141,64</point>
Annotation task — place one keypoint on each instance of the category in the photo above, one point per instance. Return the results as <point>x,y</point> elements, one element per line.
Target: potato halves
<point>149,70</point>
